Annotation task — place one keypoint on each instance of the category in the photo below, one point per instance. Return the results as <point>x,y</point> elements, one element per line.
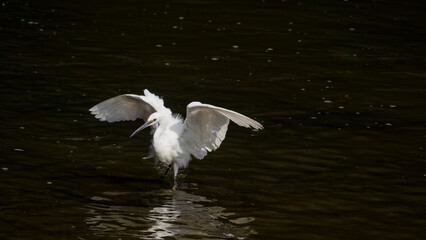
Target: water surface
<point>338,85</point>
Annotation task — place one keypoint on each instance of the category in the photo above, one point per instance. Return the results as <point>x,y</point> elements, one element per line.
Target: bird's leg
<point>175,169</point>
<point>168,168</point>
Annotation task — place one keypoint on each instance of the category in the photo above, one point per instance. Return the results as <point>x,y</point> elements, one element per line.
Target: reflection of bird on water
<point>163,214</point>
<point>175,139</point>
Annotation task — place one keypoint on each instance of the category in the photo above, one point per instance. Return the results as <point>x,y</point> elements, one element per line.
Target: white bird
<point>175,140</point>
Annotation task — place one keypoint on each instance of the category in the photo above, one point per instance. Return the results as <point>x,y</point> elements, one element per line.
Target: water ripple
<point>162,214</point>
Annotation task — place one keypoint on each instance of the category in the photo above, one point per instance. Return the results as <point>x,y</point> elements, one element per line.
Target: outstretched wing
<point>206,125</point>
<point>128,107</point>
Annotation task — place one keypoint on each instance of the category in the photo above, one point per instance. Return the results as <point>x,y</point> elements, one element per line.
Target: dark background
<point>338,85</point>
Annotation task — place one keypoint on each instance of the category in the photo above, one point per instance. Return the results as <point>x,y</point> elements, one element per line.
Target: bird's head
<point>152,119</point>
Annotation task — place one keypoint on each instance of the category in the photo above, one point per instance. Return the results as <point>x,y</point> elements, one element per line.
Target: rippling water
<point>338,85</point>
<point>163,213</point>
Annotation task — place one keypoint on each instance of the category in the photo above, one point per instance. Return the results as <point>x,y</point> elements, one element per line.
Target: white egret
<point>175,140</point>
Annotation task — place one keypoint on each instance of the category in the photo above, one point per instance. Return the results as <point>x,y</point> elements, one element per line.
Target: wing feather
<point>128,107</point>
<point>206,126</point>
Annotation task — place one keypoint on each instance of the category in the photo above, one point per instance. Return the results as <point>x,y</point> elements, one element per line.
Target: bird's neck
<point>168,124</point>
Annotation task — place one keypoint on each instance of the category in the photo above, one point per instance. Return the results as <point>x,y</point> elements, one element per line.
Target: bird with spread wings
<point>175,140</point>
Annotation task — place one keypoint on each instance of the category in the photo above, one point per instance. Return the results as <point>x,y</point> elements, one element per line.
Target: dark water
<point>339,86</point>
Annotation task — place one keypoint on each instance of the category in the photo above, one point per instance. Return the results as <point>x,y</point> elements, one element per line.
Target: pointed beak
<point>145,125</point>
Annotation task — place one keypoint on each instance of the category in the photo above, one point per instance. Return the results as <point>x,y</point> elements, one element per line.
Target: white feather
<point>206,125</point>
<point>175,140</point>
<point>129,107</point>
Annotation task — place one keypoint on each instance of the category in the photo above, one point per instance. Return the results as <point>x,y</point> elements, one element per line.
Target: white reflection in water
<point>162,218</point>
<point>162,214</point>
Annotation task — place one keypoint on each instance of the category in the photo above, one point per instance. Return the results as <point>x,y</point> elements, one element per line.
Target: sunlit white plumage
<point>175,140</point>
